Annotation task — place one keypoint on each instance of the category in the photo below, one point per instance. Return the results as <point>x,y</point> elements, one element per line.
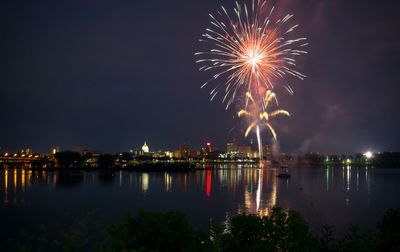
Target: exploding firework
<point>250,51</point>
<point>260,117</point>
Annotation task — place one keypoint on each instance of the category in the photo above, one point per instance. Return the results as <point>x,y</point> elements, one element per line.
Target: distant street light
<point>368,154</point>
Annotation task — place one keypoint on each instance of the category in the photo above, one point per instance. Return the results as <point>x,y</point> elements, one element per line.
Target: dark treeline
<point>387,159</point>
<point>74,160</point>
<point>170,231</point>
<point>70,159</point>
<point>124,160</point>
<point>379,160</point>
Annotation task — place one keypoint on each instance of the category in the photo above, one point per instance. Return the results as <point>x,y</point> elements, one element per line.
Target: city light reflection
<point>208,183</point>
<point>261,200</point>
<point>256,188</point>
<point>272,199</point>
<point>167,182</point>
<point>145,182</point>
<point>23,180</point>
<point>357,175</point>
<point>6,186</point>
<point>327,178</point>
<point>259,189</point>
<point>348,178</point>
<point>15,179</point>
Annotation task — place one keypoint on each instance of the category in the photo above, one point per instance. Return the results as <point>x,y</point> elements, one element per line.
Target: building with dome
<point>145,148</point>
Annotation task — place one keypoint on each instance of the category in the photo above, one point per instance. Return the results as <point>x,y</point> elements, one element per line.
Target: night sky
<point>110,74</point>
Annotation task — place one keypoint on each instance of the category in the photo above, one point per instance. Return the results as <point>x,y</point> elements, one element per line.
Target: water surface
<point>336,196</point>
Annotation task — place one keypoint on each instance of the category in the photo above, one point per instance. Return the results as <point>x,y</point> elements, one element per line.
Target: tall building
<point>184,148</point>
<point>54,150</point>
<point>26,151</point>
<point>253,154</point>
<point>232,147</point>
<point>177,154</point>
<point>81,149</point>
<point>195,154</point>
<point>267,152</point>
<point>246,149</point>
<point>208,147</point>
<point>145,148</point>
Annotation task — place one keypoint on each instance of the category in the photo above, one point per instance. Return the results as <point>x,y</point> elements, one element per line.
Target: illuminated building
<point>246,150</point>
<point>184,148</point>
<point>145,148</point>
<point>232,147</point>
<point>253,154</point>
<point>177,154</point>
<point>81,149</point>
<point>208,147</point>
<point>169,154</point>
<point>54,150</point>
<point>26,151</point>
<point>195,154</point>
<point>159,154</point>
<point>215,154</point>
<point>267,152</point>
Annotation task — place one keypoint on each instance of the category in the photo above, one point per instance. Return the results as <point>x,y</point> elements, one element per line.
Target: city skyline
<point>206,146</point>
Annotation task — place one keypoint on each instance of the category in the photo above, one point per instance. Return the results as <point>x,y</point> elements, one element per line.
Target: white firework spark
<point>250,49</point>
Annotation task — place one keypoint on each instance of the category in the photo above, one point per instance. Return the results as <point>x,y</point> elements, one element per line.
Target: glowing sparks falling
<point>250,53</point>
<point>261,117</point>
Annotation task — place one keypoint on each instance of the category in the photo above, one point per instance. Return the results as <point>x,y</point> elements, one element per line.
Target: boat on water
<point>283,175</point>
<point>285,172</point>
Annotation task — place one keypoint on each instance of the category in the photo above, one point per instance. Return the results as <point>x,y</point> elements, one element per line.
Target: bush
<point>388,231</point>
<point>150,231</point>
<point>281,231</point>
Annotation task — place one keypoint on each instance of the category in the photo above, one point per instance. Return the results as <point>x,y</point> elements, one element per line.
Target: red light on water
<point>208,184</point>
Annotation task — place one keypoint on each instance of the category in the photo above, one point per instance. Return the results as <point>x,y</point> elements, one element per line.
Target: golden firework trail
<point>260,118</point>
<point>250,51</point>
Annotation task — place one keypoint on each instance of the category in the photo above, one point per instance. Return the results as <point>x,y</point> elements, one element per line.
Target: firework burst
<point>250,51</point>
<point>260,117</point>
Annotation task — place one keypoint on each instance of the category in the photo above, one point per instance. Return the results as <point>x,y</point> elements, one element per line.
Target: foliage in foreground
<point>281,231</point>
<point>170,231</point>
